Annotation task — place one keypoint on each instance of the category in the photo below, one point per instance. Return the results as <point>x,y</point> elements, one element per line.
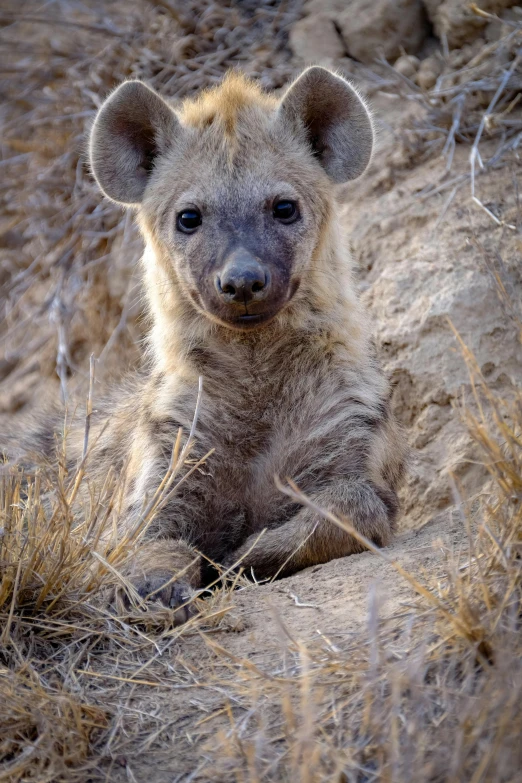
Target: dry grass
<point>431,694</point>
<point>46,733</point>
<point>61,559</point>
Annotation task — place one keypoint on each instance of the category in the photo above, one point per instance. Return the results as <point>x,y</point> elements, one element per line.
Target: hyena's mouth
<point>244,315</point>
<point>250,320</point>
<point>246,321</point>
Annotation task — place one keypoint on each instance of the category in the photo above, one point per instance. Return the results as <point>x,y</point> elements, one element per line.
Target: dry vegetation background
<point>397,666</point>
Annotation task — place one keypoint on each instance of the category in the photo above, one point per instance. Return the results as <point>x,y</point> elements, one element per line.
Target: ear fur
<point>337,124</point>
<point>131,129</point>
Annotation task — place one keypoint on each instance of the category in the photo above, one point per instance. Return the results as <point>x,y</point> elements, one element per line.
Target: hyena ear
<point>336,122</point>
<point>131,129</point>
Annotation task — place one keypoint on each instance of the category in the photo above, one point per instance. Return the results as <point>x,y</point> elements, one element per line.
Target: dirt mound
<point>427,264</point>
<point>427,252</point>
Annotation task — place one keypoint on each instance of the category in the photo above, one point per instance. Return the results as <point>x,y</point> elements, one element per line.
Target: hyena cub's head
<point>233,188</point>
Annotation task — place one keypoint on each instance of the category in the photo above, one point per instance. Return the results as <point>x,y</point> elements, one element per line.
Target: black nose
<point>243,279</point>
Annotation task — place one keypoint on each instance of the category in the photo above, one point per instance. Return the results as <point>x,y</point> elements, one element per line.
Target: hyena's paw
<point>158,587</point>
<point>165,573</point>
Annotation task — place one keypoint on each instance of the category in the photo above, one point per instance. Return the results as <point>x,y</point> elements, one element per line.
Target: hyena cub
<point>249,286</point>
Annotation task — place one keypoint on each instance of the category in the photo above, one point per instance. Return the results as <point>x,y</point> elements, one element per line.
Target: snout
<point>243,280</point>
<point>246,291</point>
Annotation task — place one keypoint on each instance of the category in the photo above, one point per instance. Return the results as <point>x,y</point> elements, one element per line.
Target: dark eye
<point>285,211</point>
<point>188,220</point>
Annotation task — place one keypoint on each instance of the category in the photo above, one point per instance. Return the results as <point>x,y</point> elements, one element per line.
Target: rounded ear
<point>131,129</point>
<point>337,124</point>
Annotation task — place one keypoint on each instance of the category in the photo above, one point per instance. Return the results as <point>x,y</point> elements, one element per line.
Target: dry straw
<point>468,104</point>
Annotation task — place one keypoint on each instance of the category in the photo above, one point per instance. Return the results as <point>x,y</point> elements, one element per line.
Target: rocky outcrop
<point>315,39</point>
<point>382,28</point>
<point>364,31</point>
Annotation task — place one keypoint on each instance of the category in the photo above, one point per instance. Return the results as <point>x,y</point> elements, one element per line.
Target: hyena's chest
<point>249,458</point>
<point>242,493</point>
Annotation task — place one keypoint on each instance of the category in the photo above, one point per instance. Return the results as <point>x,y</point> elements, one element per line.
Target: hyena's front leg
<point>308,539</point>
<point>164,568</point>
